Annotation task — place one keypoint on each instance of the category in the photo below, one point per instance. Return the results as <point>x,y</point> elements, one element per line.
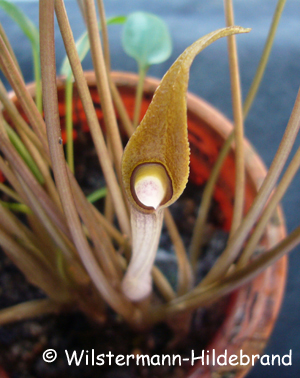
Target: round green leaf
<point>146,39</point>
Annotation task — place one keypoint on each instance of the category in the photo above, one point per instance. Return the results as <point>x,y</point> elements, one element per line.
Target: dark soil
<point>22,344</point>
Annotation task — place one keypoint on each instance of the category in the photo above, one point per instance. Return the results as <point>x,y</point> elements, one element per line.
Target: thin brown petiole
<point>199,228</point>
<point>239,195</point>
<point>16,81</point>
<point>203,296</point>
<point>29,310</point>
<point>104,34</point>
<point>11,51</point>
<point>264,58</point>
<point>269,210</point>
<point>92,119</point>
<point>195,248</point>
<point>236,242</point>
<point>103,85</point>
<point>185,274</point>
<point>113,298</point>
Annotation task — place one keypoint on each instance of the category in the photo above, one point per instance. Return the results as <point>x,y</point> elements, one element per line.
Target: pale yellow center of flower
<point>151,184</point>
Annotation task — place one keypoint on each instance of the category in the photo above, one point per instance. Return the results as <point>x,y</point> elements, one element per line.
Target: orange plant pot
<point>253,308</point>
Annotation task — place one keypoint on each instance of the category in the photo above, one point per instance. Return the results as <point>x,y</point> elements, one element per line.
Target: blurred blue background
<point>188,20</point>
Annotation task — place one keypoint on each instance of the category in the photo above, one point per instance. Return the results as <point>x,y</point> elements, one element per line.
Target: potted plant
<point>85,262</point>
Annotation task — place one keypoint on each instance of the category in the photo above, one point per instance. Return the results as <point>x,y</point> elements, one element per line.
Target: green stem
<point>16,81</point>
<point>37,78</point>
<point>18,207</point>
<point>24,153</point>
<point>18,121</point>
<point>69,122</point>
<point>39,193</point>
<point>96,195</point>
<point>139,96</point>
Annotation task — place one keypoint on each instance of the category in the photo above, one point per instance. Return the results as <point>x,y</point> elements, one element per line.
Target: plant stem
<point>208,193</point>
<point>270,209</point>
<point>82,9</point>
<point>103,85</point>
<point>18,207</point>
<point>139,96</point>
<point>11,193</point>
<point>92,119</point>
<point>33,268</point>
<point>19,166</point>
<point>16,81</point>
<point>264,58</point>
<point>19,121</point>
<point>115,94</point>
<point>238,123</point>
<point>25,237</point>
<point>104,34</point>
<point>29,310</point>
<point>198,231</point>
<point>24,153</point>
<point>96,195</point>
<point>126,122</point>
<point>11,51</point>
<point>185,275</point>
<point>103,246</point>
<point>115,300</point>
<point>163,284</point>
<point>109,228</point>
<point>11,178</point>
<point>37,78</point>
<point>236,242</point>
<point>202,296</point>
<point>69,122</point>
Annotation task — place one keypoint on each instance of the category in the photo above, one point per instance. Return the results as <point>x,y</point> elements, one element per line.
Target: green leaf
<point>146,39</point>
<point>28,28</point>
<point>83,45</point>
<point>24,153</point>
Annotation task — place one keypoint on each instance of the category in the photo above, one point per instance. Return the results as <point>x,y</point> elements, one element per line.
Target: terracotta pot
<point>252,309</point>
